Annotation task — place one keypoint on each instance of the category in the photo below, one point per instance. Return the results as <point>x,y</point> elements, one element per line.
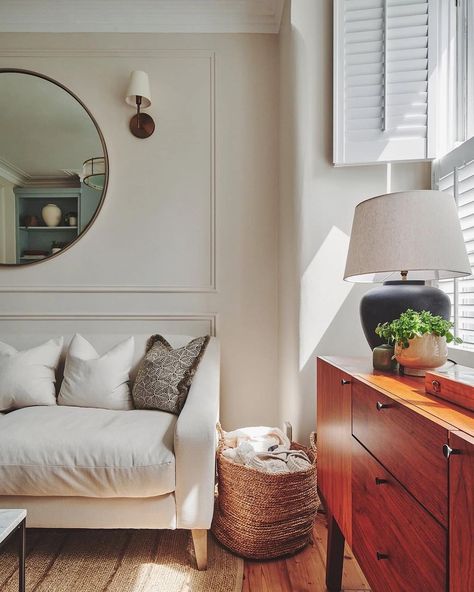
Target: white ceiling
<point>45,132</point>
<point>141,16</point>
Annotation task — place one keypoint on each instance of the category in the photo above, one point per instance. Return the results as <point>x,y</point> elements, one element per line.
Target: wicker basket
<point>264,515</point>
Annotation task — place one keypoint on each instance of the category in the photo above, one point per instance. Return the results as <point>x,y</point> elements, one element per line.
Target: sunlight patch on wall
<point>323,291</point>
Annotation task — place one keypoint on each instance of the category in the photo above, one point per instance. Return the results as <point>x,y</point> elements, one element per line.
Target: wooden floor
<point>305,572</point>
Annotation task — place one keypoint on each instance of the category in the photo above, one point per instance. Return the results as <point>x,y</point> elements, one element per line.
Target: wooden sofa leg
<point>200,547</point>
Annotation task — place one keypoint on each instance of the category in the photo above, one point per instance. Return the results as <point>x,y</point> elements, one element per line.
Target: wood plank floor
<point>305,572</point>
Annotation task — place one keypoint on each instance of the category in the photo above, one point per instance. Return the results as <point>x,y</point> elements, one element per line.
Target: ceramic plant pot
<point>423,353</point>
<point>51,215</point>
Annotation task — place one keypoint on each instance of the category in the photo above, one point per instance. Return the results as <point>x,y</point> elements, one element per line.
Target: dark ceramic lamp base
<point>387,302</point>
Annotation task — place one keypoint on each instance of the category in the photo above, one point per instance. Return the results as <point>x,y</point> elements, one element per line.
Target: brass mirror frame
<point>106,158</point>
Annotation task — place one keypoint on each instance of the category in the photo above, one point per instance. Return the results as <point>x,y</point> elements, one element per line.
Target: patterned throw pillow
<point>165,374</point>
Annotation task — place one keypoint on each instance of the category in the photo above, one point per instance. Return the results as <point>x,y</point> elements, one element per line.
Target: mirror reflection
<point>53,168</point>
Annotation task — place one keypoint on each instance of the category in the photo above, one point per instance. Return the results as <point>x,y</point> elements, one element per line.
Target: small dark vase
<point>382,358</point>
<point>386,303</point>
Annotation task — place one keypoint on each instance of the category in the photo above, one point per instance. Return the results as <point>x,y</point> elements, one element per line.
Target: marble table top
<point>9,520</point>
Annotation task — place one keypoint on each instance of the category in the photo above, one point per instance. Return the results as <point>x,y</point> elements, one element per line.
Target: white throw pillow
<point>91,380</point>
<point>27,377</point>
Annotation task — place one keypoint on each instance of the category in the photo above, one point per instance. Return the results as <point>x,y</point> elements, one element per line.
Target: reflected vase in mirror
<point>46,136</point>
<point>51,215</point>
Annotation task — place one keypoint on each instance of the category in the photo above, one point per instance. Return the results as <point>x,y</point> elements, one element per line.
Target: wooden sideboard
<point>396,474</point>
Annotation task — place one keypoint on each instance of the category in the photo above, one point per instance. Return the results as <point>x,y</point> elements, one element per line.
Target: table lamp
<point>404,239</point>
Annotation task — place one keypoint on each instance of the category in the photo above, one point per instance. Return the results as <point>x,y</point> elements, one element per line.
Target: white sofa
<point>73,467</point>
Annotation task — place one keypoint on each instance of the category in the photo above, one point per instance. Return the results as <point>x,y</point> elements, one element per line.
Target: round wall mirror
<point>53,168</point>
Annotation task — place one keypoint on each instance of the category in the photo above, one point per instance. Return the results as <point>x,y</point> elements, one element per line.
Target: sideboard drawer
<point>399,545</point>
<point>407,443</point>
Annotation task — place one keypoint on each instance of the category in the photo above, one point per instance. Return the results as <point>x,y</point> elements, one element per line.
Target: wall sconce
<point>139,95</point>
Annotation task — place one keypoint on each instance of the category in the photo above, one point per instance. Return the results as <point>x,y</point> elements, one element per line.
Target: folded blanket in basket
<point>260,437</point>
<point>264,449</point>
<point>281,460</point>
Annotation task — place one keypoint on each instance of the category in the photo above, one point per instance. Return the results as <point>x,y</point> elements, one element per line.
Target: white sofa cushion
<point>27,377</point>
<point>70,451</point>
<point>91,380</point>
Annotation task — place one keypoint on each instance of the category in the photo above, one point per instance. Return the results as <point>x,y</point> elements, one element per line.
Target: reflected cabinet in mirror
<point>53,168</point>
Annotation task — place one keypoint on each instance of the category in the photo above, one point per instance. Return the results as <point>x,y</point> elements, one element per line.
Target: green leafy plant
<point>413,324</point>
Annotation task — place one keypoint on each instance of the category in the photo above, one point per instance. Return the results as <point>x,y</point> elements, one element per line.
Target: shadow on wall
<point>328,313</point>
<point>343,337</point>
<point>322,292</point>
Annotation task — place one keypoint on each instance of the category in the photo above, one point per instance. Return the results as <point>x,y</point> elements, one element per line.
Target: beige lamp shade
<point>139,86</point>
<point>414,231</point>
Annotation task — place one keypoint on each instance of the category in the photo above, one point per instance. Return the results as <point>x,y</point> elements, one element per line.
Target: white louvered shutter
<point>454,173</point>
<point>384,69</point>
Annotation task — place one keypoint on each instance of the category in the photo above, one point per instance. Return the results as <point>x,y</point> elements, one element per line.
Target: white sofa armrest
<point>195,444</point>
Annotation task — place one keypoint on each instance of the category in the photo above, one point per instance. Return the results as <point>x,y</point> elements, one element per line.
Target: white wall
<point>3,238</point>
<point>318,311</point>
<point>7,222</point>
<point>186,240</point>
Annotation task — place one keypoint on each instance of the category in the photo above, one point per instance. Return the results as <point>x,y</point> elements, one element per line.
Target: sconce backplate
<point>142,128</point>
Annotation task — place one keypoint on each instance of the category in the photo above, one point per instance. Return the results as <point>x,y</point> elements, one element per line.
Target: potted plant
<point>420,340</point>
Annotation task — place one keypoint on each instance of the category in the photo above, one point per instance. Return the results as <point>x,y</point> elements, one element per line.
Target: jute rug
<point>118,561</point>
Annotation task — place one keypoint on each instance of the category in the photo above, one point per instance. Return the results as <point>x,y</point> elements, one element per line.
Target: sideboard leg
<point>335,556</point>
<point>21,556</point>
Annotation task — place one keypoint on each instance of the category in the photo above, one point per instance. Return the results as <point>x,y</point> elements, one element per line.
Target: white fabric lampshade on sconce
<point>139,86</point>
<point>414,231</point>
<point>138,95</point>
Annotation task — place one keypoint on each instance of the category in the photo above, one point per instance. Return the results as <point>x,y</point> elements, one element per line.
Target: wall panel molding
<point>211,318</point>
<point>208,287</point>
<point>107,289</point>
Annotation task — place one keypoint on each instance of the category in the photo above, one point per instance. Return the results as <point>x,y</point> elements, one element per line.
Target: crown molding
<point>141,16</point>
<point>12,173</point>
<point>53,181</point>
<point>17,176</point>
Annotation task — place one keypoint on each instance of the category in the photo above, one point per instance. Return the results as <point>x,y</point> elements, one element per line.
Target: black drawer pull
<point>379,481</point>
<point>381,556</point>
<point>381,406</point>
<point>447,451</point>
<point>343,381</point>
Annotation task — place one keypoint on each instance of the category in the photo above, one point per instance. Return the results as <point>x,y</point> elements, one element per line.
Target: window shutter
<point>454,173</point>
<point>384,69</point>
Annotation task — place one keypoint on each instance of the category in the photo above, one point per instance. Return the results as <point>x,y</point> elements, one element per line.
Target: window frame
<point>456,139</point>
<point>456,75</point>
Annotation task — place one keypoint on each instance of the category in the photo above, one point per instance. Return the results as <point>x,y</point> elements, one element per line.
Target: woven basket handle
<point>312,441</point>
